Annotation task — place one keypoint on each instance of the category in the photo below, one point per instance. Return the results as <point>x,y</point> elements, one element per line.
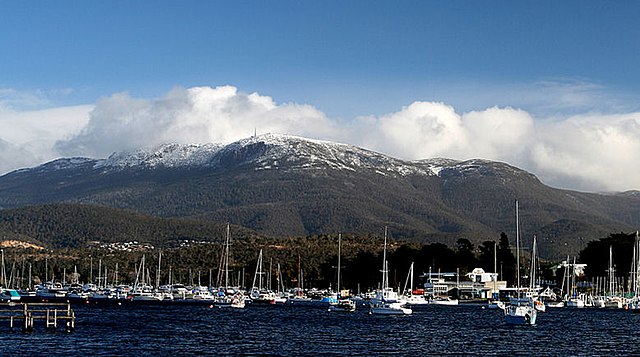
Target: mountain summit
<point>291,186</point>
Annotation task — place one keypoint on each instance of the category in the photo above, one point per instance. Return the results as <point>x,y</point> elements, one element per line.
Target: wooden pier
<point>27,315</point>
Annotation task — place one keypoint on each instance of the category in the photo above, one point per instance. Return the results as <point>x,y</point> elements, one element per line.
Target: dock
<point>27,315</point>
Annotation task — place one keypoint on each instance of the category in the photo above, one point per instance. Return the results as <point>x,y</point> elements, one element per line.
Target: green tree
<point>487,252</point>
<point>465,256</point>
<point>436,256</point>
<point>596,254</point>
<point>506,260</point>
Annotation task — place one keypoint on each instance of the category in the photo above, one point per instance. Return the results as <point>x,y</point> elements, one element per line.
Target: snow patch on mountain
<point>277,152</point>
<point>59,165</point>
<point>167,155</point>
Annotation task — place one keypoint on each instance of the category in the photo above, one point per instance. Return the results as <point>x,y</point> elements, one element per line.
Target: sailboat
<point>228,297</point>
<point>343,304</point>
<point>519,313</point>
<point>573,298</point>
<point>281,296</point>
<point>634,302</point>
<point>259,294</point>
<point>494,302</point>
<point>300,298</point>
<point>387,301</point>
<point>533,286</point>
<point>142,289</point>
<point>612,300</point>
<point>409,295</point>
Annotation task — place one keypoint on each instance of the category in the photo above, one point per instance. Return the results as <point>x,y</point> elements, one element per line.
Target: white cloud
<point>425,130</point>
<point>422,129</point>
<point>194,115</point>
<point>500,134</point>
<point>27,138</point>
<point>591,152</point>
<point>588,152</point>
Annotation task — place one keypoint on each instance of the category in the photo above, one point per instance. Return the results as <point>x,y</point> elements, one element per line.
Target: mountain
<point>281,185</point>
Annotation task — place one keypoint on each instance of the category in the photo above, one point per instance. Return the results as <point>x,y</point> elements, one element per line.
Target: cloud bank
<point>588,152</point>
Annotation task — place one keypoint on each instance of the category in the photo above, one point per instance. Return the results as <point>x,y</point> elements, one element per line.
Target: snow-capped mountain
<point>287,185</point>
<point>266,152</point>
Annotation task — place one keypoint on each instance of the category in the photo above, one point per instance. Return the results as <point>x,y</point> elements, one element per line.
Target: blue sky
<point>555,60</point>
<point>381,54</point>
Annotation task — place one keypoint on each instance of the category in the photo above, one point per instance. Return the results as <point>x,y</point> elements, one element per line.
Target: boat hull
<point>520,315</point>
<point>494,305</point>
<point>577,303</point>
<point>343,306</point>
<point>390,309</point>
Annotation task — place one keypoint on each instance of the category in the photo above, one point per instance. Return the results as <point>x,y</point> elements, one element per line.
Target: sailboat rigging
<point>387,301</point>
<point>343,304</point>
<point>519,313</point>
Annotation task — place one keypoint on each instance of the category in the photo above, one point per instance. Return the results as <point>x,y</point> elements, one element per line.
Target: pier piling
<point>51,313</point>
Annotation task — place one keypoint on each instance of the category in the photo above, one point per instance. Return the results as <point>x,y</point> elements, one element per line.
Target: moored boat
<point>342,303</point>
<point>390,308</point>
<point>387,301</point>
<point>519,313</point>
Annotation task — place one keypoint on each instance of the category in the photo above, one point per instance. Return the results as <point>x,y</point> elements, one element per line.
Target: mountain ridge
<point>283,185</point>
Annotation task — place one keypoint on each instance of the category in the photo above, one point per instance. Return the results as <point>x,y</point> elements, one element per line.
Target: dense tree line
<point>67,232</point>
<point>596,255</point>
<point>315,256</point>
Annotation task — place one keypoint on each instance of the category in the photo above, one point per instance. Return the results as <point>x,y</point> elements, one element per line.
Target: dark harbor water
<point>312,331</point>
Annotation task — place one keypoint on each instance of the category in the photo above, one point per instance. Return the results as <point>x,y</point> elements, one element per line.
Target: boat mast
<point>299,277</point>
<point>517,252</point>
<point>411,282</point>
<point>4,273</point>
<point>384,265</point>
<point>279,281</point>
<point>158,273</point>
<point>495,266</point>
<point>270,276</point>
<point>339,241</point>
<point>532,273</point>
<point>226,261</point>
<point>611,271</point>
<point>258,272</point>
<point>636,253</point>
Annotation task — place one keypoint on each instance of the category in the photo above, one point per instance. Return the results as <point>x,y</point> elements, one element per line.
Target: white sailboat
<point>519,313</point>
<point>260,294</point>
<point>228,297</point>
<point>142,289</point>
<point>410,297</point>
<point>612,300</point>
<point>534,289</point>
<point>387,301</point>
<point>494,302</point>
<point>343,304</point>
<point>300,298</point>
<point>634,303</point>
<point>573,298</point>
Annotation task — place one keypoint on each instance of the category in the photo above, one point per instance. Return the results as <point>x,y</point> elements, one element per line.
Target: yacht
<point>387,301</point>
<point>520,313</point>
